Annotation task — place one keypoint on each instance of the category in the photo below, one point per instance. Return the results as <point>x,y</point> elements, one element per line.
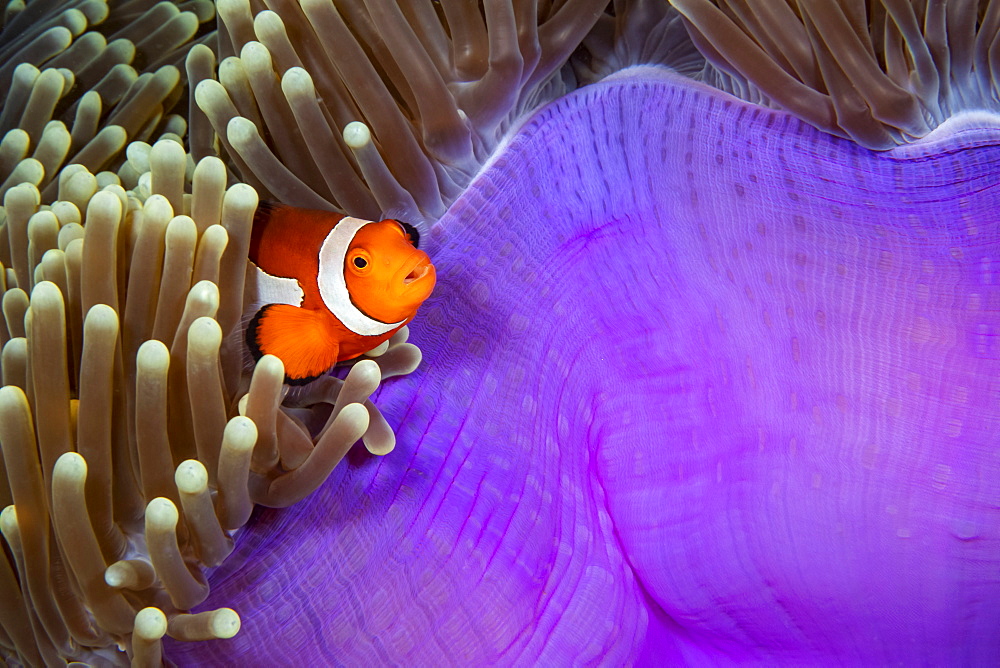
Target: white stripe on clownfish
<point>269,289</point>
<point>333,286</point>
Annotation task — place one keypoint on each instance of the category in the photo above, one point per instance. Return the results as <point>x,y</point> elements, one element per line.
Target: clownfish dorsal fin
<point>411,233</point>
<point>301,338</point>
<point>266,209</point>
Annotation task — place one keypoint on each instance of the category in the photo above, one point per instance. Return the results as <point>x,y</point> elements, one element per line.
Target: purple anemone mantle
<point>701,385</point>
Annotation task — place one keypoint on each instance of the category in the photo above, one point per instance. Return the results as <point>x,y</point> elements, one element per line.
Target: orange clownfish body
<point>333,286</point>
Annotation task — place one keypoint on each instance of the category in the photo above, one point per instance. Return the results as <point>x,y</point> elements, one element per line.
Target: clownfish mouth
<point>417,273</point>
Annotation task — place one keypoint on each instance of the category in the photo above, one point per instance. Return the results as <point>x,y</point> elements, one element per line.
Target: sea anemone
<point>692,366</point>
<point>374,107</point>
<point>880,73</point>
<point>120,405</point>
<point>78,83</point>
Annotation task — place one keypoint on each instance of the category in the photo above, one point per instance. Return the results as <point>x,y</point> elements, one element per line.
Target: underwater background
<point>709,375</point>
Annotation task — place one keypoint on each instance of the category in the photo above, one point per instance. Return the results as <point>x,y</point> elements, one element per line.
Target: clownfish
<point>332,286</point>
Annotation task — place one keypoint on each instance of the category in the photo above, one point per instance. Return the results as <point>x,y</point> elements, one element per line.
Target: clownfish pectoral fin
<point>301,338</point>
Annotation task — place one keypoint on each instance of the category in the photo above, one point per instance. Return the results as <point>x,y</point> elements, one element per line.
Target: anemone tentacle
<point>881,73</point>
<point>81,80</point>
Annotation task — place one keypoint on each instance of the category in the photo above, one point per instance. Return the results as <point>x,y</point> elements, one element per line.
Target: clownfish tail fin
<point>299,337</point>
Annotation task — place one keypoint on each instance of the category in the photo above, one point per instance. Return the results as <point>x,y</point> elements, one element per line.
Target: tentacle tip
<point>205,290</point>
<point>226,623</point>
<point>241,429</point>
<point>9,396</point>
<point>270,365</point>
<point>114,576</point>
<point>150,623</point>
<point>368,370</point>
<point>357,416</point>
<point>8,519</point>
<point>206,330</point>
<point>378,350</point>
<point>379,447</point>
<point>153,355</point>
<point>191,477</point>
<point>70,465</point>
<point>357,135</point>
<point>162,512</point>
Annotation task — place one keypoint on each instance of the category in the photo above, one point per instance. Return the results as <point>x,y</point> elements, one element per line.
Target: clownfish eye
<point>359,261</point>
